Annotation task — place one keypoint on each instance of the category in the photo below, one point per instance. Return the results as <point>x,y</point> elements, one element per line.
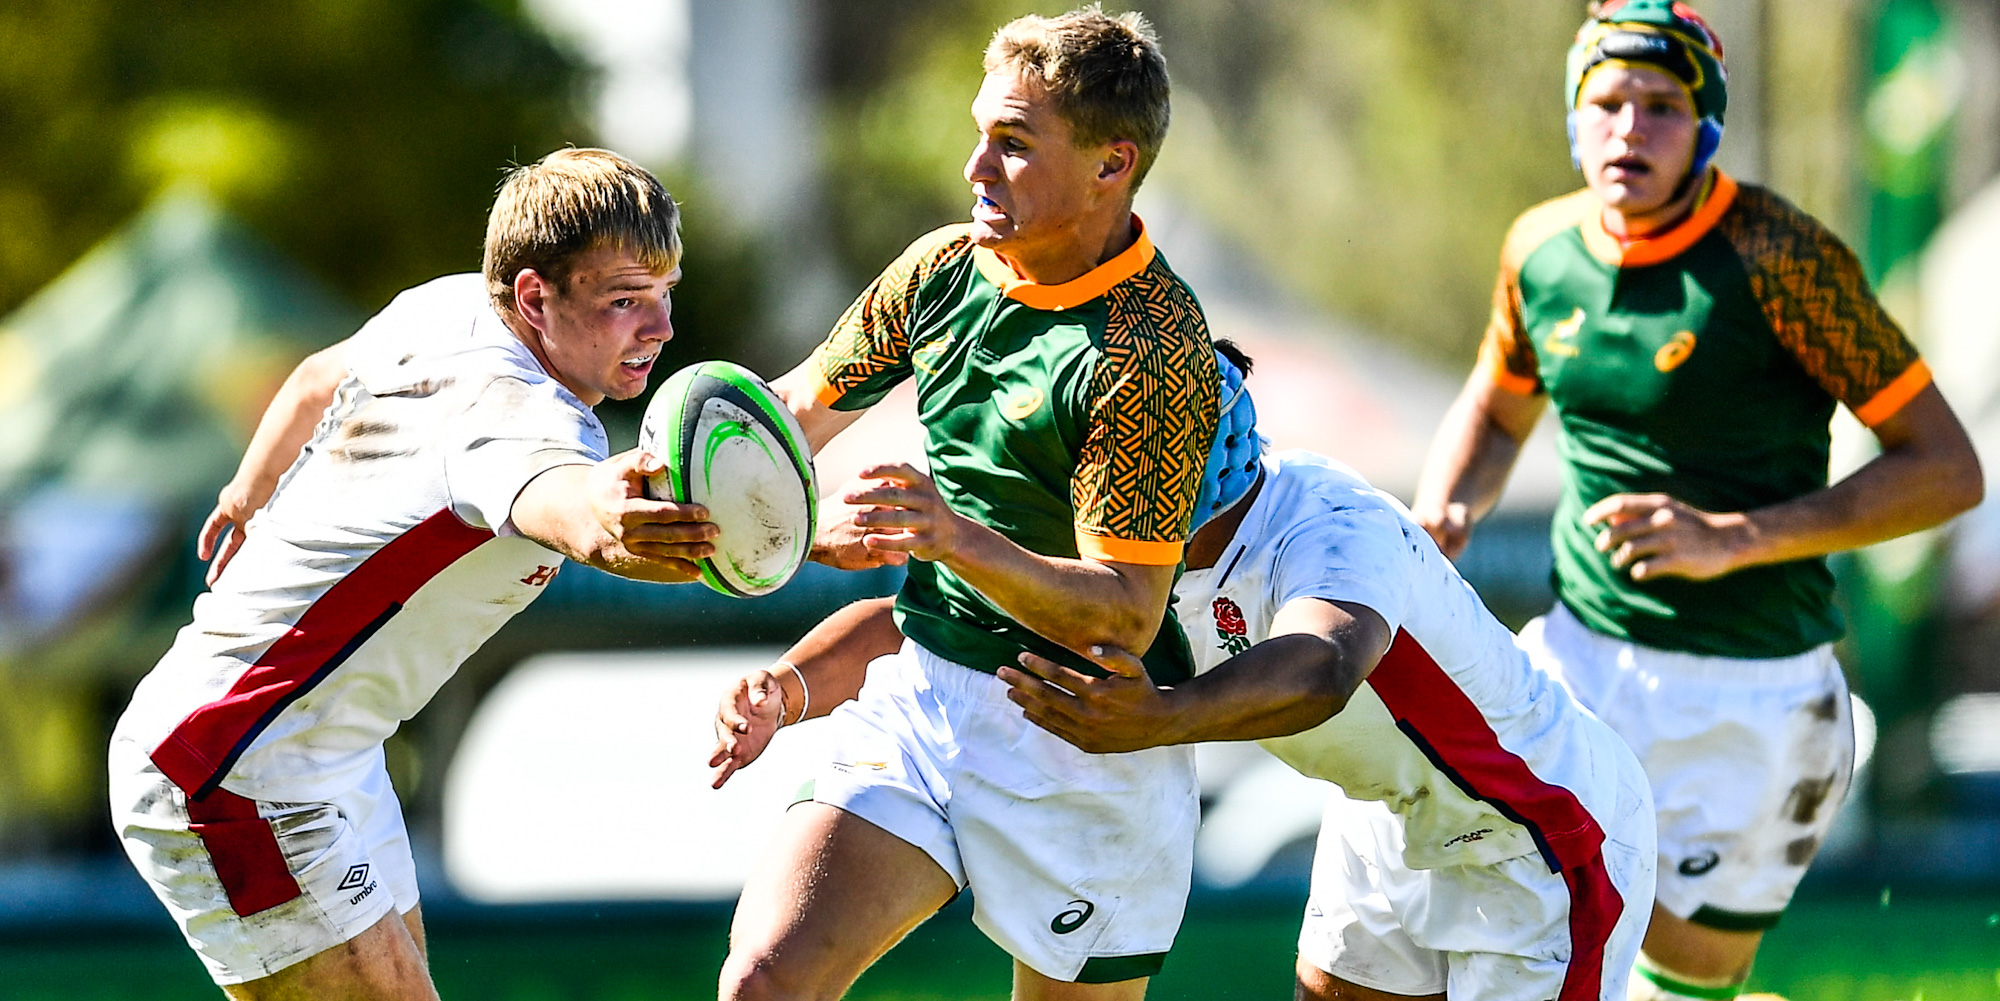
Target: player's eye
<point>1013,145</point>
<point>626,302</point>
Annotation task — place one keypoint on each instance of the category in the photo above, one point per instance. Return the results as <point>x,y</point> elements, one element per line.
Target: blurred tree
<point>1372,152</point>
<point>364,137</point>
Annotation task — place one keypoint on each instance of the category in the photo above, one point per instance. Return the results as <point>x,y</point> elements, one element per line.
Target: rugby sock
<point>1652,982</point>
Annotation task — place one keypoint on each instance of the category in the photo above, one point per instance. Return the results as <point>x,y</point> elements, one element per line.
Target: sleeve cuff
<point>1105,549</point>
<point>1495,367</point>
<point>1892,397</point>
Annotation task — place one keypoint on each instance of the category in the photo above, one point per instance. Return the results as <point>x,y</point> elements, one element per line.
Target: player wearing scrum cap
<point>1494,841</point>
<point>1067,392</point>
<point>1694,335</point>
<point>413,488</point>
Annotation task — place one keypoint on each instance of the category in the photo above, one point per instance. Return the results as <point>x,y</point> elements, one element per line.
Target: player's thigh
<point>1315,984</point>
<point>1681,946</point>
<point>831,895</point>
<point>383,963</point>
<point>1032,986</point>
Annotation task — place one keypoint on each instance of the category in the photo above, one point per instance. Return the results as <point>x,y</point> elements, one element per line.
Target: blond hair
<point>569,203</point>
<point>1105,74</point>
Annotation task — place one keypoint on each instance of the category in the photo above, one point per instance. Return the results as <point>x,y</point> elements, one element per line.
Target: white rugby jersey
<point>384,559</point>
<point>1483,757</point>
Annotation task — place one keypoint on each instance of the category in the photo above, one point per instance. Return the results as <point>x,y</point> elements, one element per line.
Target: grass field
<point>1905,948</point>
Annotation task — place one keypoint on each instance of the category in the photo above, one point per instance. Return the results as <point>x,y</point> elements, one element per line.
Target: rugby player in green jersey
<point>1694,335</point>
<point>1067,389</point>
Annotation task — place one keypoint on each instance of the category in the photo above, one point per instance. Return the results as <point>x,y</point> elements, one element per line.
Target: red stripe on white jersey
<point>1449,728</point>
<point>245,852</point>
<point>202,749</point>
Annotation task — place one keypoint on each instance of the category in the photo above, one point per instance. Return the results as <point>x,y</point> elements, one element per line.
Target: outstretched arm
<point>1470,458</point>
<point>822,670</point>
<point>1927,473</point>
<point>285,428</point>
<point>1318,654</point>
<point>599,514</point>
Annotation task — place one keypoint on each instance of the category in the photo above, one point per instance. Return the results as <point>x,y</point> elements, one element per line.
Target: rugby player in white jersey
<point>413,488</point>
<point>1494,840</point>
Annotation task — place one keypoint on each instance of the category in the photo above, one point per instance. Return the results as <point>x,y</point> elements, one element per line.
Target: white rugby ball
<point>731,445</point>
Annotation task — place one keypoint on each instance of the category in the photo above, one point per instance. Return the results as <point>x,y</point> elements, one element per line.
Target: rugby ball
<point>731,445</point>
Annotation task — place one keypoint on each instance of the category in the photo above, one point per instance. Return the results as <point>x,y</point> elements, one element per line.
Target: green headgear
<point>1668,36</point>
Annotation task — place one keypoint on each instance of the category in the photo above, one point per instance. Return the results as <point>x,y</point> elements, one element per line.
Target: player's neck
<point>1211,539</point>
<point>1629,226</point>
<point>1093,242</point>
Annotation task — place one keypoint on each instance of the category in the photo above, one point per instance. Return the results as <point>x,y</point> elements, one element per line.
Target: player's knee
<point>756,977</point>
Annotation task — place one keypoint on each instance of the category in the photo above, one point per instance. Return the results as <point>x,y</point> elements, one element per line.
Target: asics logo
<point>1072,919</point>
<point>1699,865</point>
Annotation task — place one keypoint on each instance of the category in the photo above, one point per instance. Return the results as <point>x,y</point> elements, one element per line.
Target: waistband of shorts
<point>1800,668</point>
<point>953,679</point>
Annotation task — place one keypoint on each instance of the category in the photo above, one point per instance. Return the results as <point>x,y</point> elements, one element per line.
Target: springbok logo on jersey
<point>1230,627</point>
<point>1562,338</point>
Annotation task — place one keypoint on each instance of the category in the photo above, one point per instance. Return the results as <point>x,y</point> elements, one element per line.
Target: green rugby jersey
<point>1074,419</point>
<point>1703,363</point>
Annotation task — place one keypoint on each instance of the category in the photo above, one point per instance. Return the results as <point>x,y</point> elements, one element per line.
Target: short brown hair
<point>569,203</point>
<point>1106,74</point>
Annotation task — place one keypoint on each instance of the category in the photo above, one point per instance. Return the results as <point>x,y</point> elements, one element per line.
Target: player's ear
<point>531,297</point>
<point>1120,161</point>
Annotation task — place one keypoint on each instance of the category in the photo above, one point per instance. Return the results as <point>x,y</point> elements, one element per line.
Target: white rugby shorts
<point>1509,931</point>
<point>258,886</point>
<point>1079,863</point>
<point>1749,760</point>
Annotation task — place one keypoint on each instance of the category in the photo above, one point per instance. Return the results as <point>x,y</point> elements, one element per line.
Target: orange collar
<point>1645,250</point>
<point>1072,293</point>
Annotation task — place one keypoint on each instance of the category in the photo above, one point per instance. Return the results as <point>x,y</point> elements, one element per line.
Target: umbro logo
<point>356,875</point>
<point>1070,920</point>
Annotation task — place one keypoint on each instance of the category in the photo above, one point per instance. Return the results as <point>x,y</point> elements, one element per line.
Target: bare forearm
<point>1282,686</point>
<point>1076,603</point>
<point>833,658</point>
<point>1473,453</point>
<point>1899,492</point>
<point>288,422</point>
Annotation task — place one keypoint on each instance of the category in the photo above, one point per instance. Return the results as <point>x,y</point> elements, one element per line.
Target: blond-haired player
<point>412,487</point>
<point>1067,390</point>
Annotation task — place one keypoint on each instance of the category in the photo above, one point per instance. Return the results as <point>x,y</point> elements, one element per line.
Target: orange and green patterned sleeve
<point>1152,419</point>
<point>1507,351</point>
<point>868,352</point>
<point>1817,301</point>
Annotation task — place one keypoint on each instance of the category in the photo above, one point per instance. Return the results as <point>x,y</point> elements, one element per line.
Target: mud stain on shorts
<point>1807,797</point>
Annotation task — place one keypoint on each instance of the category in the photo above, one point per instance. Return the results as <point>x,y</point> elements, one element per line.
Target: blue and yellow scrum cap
<point>1236,456</point>
<point>1664,35</point>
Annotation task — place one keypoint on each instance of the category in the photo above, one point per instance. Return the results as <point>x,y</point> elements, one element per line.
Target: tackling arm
<point>284,429</point>
<point>822,670</point>
<point>1317,656</point>
<point>1470,458</point>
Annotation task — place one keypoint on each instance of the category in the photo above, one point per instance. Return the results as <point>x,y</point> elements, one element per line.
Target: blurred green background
<point>197,194</point>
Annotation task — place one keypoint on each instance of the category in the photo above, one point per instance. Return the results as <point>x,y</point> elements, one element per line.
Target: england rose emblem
<point>1230,627</point>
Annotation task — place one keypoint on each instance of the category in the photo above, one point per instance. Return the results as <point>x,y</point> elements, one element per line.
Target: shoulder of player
<point>1155,307</point>
<point>1766,229</point>
<point>1541,223</point>
<point>935,249</point>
